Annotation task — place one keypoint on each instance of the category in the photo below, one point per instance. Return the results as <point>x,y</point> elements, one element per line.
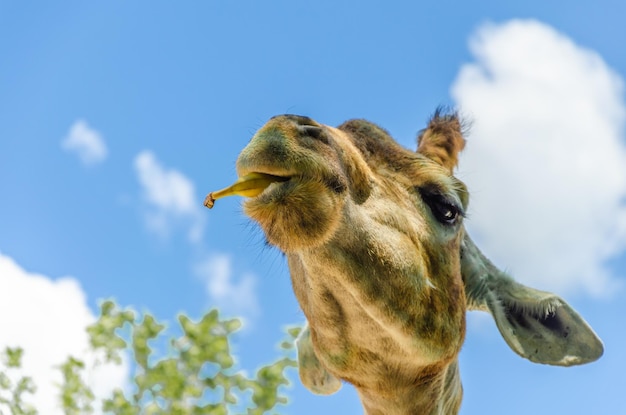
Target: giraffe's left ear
<point>442,140</point>
<point>537,325</point>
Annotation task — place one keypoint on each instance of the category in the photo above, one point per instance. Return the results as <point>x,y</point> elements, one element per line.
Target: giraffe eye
<point>446,211</point>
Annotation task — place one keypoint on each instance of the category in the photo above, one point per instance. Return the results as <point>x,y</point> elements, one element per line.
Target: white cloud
<point>48,319</point>
<point>546,161</point>
<point>236,297</point>
<point>170,197</point>
<point>86,142</point>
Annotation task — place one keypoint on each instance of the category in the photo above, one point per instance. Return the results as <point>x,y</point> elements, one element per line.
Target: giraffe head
<point>381,263</point>
<point>329,169</point>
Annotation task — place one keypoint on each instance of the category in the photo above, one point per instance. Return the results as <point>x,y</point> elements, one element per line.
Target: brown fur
<point>377,275</point>
<point>382,267</point>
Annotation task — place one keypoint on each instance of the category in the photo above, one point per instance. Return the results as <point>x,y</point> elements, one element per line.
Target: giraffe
<point>382,266</point>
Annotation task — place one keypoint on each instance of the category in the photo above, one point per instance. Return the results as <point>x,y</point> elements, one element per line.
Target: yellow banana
<point>250,185</point>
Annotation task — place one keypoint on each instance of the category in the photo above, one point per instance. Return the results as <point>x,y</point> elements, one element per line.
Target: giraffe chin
<point>296,214</point>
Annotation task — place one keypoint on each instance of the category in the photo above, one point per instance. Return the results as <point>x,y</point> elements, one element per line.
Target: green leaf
<point>13,357</point>
<point>197,375</point>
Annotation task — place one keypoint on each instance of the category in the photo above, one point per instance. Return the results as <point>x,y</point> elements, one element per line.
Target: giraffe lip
<point>268,176</point>
<point>271,180</point>
<point>276,172</point>
<point>277,175</point>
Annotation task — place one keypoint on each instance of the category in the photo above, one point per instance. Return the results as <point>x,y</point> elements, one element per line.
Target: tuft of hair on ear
<point>442,140</point>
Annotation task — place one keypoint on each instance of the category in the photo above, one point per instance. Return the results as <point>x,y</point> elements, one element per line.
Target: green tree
<point>12,392</point>
<point>196,375</point>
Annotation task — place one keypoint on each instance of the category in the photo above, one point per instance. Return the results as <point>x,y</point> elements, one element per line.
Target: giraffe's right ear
<point>537,325</point>
<point>442,140</point>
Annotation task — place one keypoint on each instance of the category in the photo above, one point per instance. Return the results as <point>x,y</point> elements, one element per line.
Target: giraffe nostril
<point>314,131</point>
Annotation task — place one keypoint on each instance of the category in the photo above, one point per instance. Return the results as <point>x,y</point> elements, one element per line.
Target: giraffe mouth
<point>250,184</point>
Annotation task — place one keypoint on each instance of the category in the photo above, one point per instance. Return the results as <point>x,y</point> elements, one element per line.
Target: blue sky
<point>116,119</point>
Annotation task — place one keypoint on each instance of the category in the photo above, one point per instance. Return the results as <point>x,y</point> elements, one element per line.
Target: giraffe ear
<point>313,374</point>
<point>537,325</point>
<point>442,140</point>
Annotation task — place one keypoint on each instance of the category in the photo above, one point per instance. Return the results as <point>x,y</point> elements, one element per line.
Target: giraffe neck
<point>433,393</point>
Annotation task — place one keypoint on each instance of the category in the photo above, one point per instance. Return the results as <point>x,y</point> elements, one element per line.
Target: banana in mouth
<point>250,185</point>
